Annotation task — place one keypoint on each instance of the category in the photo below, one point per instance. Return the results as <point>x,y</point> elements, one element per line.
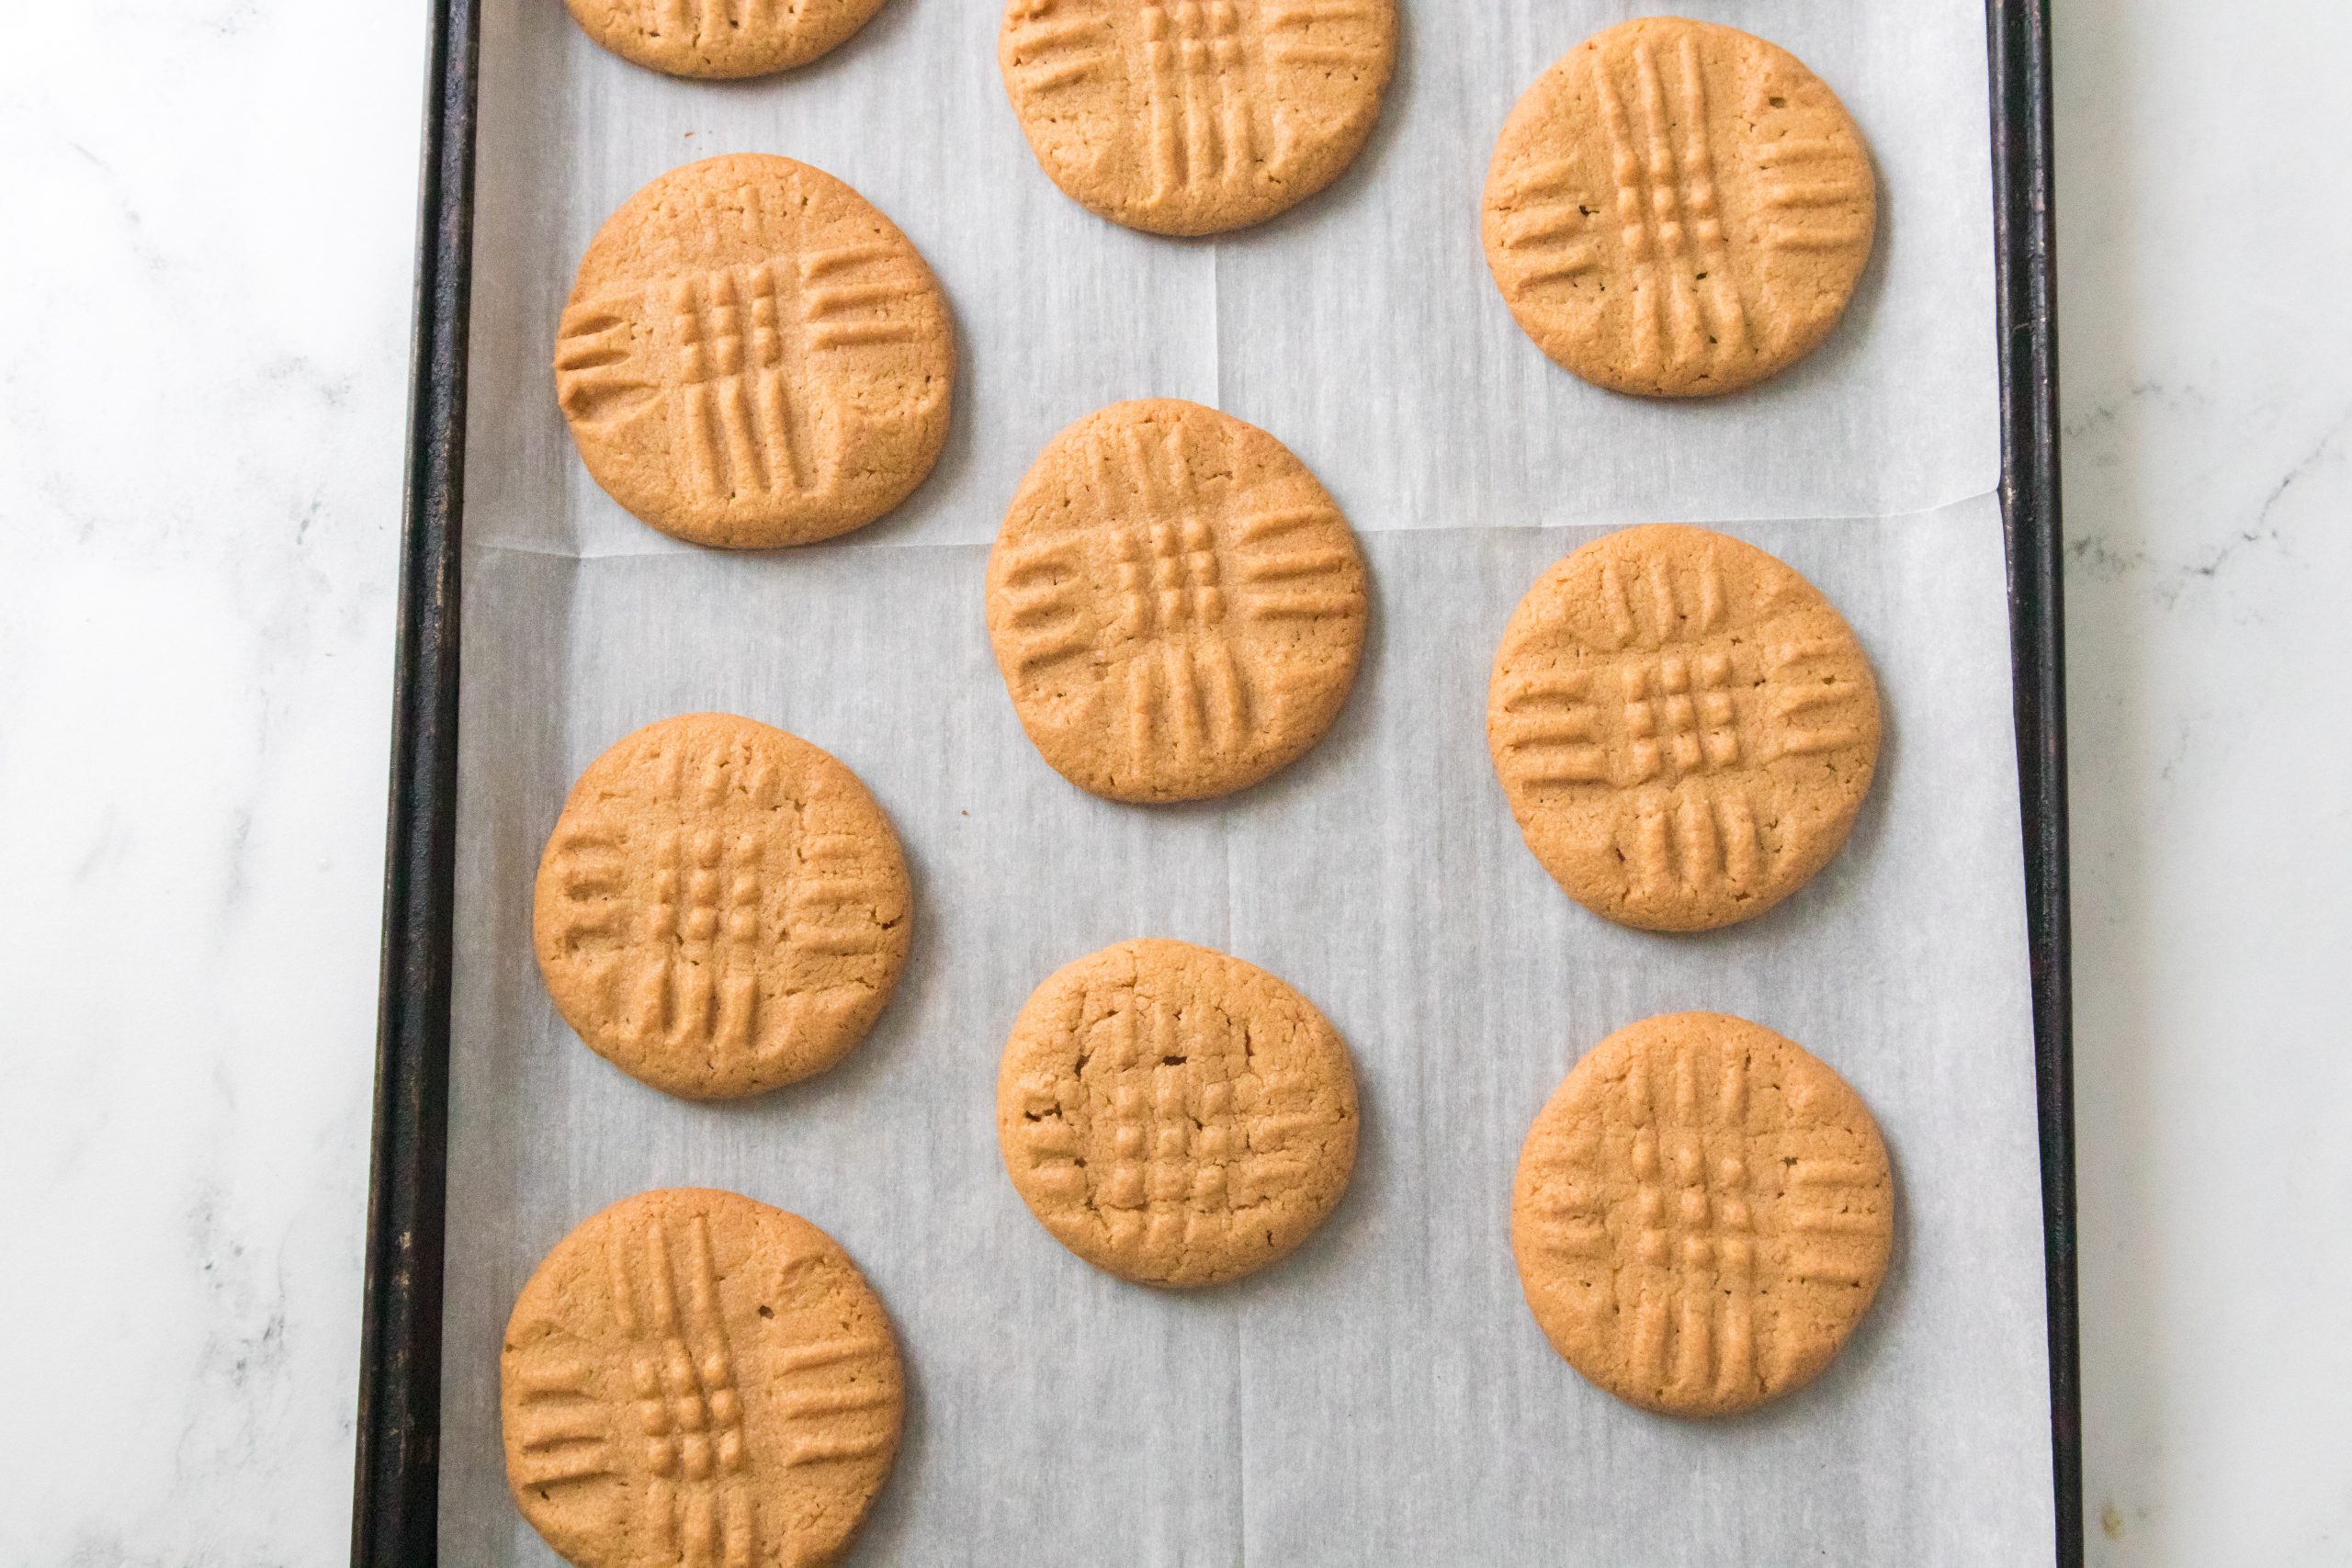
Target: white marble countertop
<point>206,257</point>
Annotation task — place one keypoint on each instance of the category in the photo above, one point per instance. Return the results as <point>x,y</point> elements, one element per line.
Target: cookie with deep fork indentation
<point>1175,1116</point>
<point>1702,1215</point>
<point>752,356</point>
<point>717,39</point>
<point>692,1377</point>
<point>1192,117</point>
<point>1676,209</point>
<point>1177,607</point>
<point>722,907</point>
<point>1684,727</point>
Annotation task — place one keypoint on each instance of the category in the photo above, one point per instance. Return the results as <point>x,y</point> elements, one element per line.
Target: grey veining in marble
<point>2203,166</point>
<point>205,223</point>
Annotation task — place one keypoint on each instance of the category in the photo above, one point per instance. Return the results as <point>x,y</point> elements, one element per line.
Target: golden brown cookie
<point>722,908</point>
<point>1192,117</point>
<point>752,356</point>
<point>721,38</point>
<point>1701,1215</point>
<point>1684,727</point>
<point>1177,605</point>
<point>692,1377</point>
<point>1676,209</point>
<point>1174,1116</point>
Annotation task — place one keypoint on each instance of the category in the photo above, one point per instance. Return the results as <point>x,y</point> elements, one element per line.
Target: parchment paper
<point>1381,1397</point>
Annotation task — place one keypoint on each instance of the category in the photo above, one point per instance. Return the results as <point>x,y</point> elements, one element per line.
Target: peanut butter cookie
<point>1192,117</point>
<point>754,356</point>
<point>1684,727</point>
<point>722,907</point>
<point>1676,209</point>
<point>1177,605</point>
<point>1174,1116</point>
<point>691,1376</point>
<point>721,38</point>
<point>1702,1215</point>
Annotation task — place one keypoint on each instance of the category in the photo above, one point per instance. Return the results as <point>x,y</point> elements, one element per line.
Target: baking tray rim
<point>395,1517</point>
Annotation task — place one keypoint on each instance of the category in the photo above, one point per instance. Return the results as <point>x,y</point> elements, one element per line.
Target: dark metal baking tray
<point>397,1469</point>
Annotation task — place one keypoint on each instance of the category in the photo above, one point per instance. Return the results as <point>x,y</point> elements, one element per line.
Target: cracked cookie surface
<point>1173,1115</point>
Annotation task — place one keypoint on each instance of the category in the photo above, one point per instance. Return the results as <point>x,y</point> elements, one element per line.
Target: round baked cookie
<point>1676,209</point>
<point>1192,117</point>
<point>1174,1116</point>
<point>722,907</point>
<point>1177,607</point>
<point>691,1376</point>
<point>1684,727</point>
<point>754,356</point>
<point>713,38</point>
<point>1702,1215</point>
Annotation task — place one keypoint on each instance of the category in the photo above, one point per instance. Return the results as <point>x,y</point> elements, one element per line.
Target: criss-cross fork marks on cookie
<point>1680,710</point>
<point>1705,1227</point>
<point>674,923</point>
<point>675,1426</point>
<point>1202,78</point>
<point>718,25</point>
<point>1151,591</point>
<point>1672,259</point>
<point>685,1403</point>
<point>747,362</point>
<point>1168,1133</point>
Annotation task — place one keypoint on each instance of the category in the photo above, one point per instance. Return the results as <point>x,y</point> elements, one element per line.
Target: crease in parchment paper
<point>666,550</point>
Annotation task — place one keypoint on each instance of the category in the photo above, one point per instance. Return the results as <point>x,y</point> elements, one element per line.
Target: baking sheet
<point>1383,1396</point>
